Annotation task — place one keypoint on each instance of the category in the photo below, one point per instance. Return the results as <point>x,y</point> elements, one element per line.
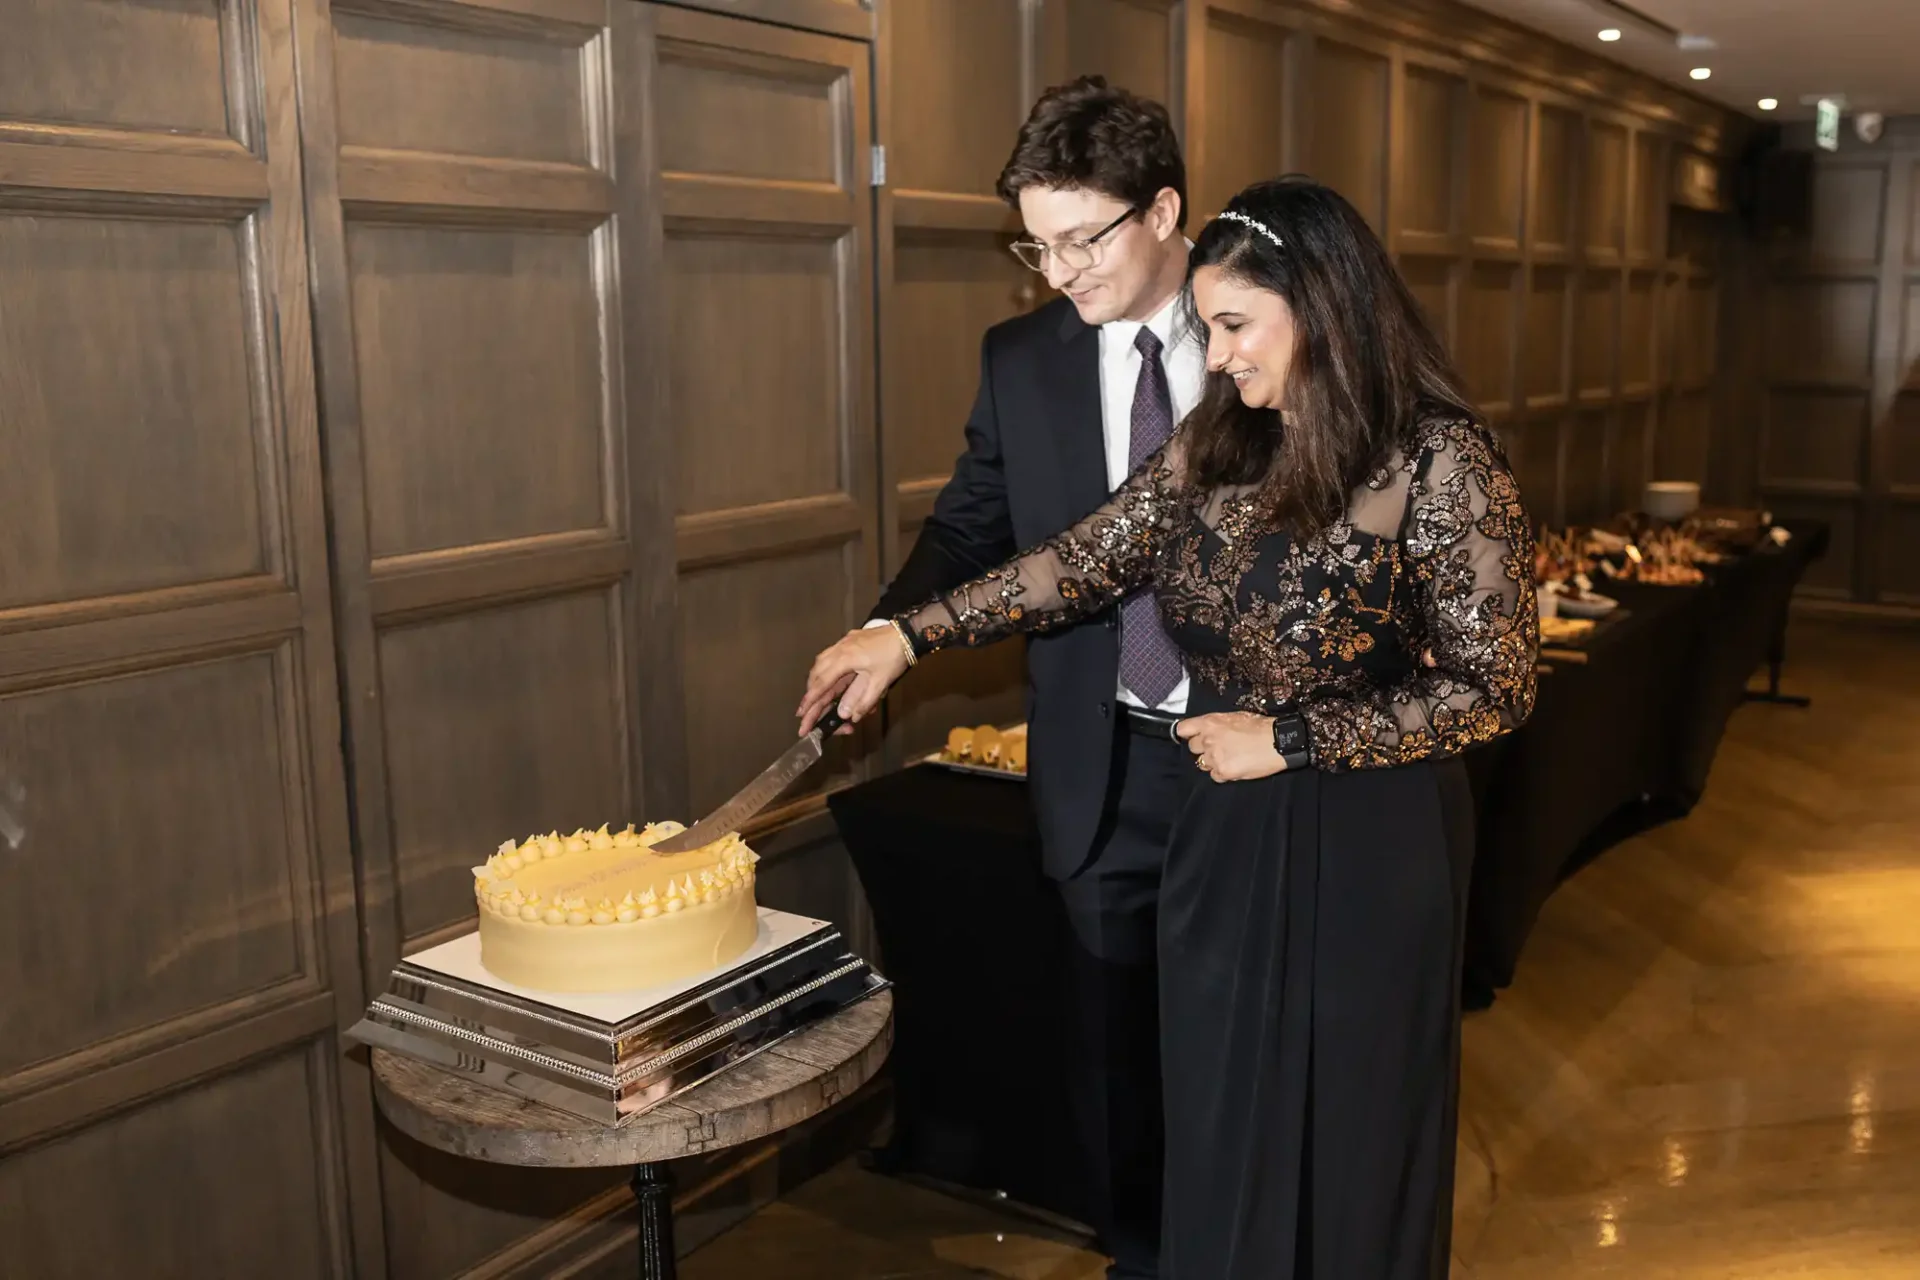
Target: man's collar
<point>1169,324</point>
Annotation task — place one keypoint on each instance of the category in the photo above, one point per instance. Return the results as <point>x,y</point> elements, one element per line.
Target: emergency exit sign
<point>1826,124</point>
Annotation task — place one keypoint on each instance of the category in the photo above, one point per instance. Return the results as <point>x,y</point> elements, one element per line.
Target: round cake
<point>600,911</point>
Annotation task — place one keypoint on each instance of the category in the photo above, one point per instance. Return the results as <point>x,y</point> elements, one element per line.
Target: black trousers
<point>1112,906</point>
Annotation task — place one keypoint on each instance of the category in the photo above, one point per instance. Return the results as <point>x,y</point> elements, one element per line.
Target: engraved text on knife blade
<point>749,800</point>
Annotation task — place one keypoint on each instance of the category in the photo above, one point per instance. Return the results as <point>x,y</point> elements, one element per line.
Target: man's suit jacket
<point>1035,463</point>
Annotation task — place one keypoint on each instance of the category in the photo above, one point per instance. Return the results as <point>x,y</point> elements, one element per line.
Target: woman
<point>1338,548</point>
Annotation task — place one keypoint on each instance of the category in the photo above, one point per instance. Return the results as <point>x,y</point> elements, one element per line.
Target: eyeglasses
<point>1075,255</point>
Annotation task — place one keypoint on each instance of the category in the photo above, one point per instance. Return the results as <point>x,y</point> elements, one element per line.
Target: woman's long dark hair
<point>1367,367</point>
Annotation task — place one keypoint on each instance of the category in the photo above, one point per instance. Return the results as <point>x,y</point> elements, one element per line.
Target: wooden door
<point>463,163</point>
<point>176,938</point>
<point>957,81</point>
<point>755,285</point>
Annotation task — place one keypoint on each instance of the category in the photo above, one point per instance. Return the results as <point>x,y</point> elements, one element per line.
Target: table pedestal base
<point>1772,692</point>
<point>653,1188</point>
<point>1776,658</point>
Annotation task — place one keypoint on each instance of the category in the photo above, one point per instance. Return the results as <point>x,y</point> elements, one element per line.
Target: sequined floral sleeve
<point>1067,578</point>
<point>1469,544</point>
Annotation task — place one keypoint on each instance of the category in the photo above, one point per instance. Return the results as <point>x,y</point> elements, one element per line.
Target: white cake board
<point>460,958</point>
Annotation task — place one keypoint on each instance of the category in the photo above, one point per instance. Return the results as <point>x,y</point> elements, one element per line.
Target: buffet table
<point>1623,735</point>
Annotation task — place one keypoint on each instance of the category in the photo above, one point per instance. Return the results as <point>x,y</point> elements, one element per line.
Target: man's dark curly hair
<point>1089,136</point>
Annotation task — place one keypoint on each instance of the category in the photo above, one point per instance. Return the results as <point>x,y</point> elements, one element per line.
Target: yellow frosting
<point>599,911</point>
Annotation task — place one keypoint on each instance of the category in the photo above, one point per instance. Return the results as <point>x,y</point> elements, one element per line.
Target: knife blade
<point>758,794</point>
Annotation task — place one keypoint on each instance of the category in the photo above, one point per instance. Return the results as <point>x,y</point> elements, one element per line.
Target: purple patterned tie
<point>1149,663</point>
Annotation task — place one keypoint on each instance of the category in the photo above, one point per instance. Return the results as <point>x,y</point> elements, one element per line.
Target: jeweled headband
<point>1241,218</point>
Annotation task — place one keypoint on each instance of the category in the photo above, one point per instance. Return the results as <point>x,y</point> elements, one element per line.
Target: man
<point>1072,397</point>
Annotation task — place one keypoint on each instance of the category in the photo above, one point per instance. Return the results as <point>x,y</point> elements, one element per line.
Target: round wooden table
<point>776,1089</point>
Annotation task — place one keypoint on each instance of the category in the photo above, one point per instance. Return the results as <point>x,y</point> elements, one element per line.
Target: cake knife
<point>759,793</point>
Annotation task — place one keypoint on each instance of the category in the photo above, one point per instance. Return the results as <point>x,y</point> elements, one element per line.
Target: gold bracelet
<point>906,641</point>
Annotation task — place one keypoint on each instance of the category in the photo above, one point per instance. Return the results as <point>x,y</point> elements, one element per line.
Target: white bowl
<point>1671,500</point>
<point>1591,605</point>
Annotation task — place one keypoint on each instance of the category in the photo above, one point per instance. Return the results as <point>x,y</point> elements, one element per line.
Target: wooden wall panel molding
<point>712,538</point>
<point>1839,360</point>
<point>176,640</point>
<point>471,345</point>
<point>1431,184</point>
<point>471,191</point>
<point>1628,456</point>
<point>1815,441</point>
<point>1553,214</point>
<point>1453,36</point>
<point>1639,333</point>
<point>1435,284</point>
<point>1605,192</point>
<point>529,19</point>
<point>1351,94</point>
<point>775,488</point>
<point>182,743</point>
<point>951,211</point>
<point>1488,340</point>
<point>149,67</point>
<point>1647,224</point>
<point>413,587</point>
<point>1499,137</point>
<point>1136,44</point>
<point>111,171</point>
<point>971,51</point>
<point>1849,223</point>
<point>853,19</point>
<point>439,79</point>
<point>282,1195</point>
<point>1546,335</point>
<point>457,783</point>
<point>944,277</point>
<point>127,633</point>
<point>108,293</point>
<point>721,201</point>
<point>1238,128</point>
<point>1597,335</point>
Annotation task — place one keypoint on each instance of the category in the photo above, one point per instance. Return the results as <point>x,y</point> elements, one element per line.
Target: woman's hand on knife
<point>857,670</point>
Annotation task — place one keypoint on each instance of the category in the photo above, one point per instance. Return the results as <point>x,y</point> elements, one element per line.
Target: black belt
<point>1151,724</point>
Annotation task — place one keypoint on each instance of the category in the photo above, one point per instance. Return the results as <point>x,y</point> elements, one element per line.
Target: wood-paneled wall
<point>392,428</point>
<point>178,938</point>
<point>426,421</point>
<point>1837,346</point>
<point>1525,189</point>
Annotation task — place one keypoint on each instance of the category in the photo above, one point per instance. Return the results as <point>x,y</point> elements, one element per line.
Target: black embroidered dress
<point>1311,922</point>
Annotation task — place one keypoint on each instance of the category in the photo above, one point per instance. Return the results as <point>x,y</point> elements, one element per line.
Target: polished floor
<point>1708,1067</point>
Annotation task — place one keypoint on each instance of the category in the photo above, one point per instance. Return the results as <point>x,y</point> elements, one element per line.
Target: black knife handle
<point>829,722</point>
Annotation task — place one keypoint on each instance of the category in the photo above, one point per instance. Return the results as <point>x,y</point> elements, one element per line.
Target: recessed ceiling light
<point>1701,73</point>
<point>1610,34</point>
<point>1768,104</point>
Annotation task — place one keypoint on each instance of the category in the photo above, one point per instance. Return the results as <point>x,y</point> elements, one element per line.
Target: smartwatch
<point>1290,739</point>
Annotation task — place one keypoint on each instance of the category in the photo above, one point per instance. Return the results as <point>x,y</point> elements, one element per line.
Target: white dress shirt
<point>1185,358</point>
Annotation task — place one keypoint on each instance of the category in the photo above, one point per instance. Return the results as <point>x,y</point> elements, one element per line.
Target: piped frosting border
<point>732,872</point>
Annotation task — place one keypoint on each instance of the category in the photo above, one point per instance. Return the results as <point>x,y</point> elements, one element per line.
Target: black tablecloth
<point>970,934</point>
<point>969,930</point>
